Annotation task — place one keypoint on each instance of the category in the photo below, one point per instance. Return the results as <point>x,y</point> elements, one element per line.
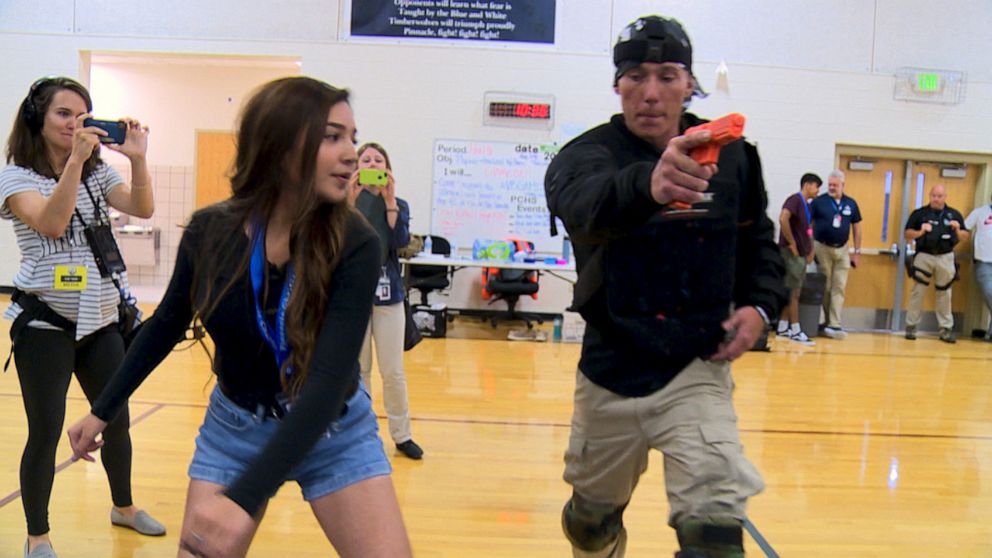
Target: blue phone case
<point>116,131</point>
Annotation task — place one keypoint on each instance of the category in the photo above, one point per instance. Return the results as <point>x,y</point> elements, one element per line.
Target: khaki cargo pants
<point>691,421</point>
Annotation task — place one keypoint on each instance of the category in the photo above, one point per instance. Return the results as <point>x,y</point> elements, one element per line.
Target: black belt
<point>266,405</point>
<point>841,245</point>
<point>259,405</point>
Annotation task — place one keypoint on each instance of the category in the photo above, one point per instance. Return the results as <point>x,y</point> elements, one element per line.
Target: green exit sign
<point>927,82</point>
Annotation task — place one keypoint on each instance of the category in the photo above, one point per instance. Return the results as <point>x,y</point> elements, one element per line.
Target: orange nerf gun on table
<point>723,130</point>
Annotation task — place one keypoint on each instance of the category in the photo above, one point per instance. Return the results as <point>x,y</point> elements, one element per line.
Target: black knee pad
<point>710,538</point>
<point>591,526</point>
<point>944,287</point>
<point>920,276</point>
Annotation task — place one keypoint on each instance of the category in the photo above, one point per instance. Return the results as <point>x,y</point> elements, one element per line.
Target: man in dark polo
<point>835,217</point>
<point>936,228</point>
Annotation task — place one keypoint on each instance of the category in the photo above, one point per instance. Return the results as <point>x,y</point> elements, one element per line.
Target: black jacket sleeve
<point>760,269</point>
<point>157,336</point>
<point>332,371</point>
<point>594,197</point>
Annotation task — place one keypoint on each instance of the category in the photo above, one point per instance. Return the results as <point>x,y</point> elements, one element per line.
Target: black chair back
<point>427,278</point>
<point>509,285</point>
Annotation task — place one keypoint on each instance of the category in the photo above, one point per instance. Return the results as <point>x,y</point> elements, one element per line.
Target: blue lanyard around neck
<point>806,207</point>
<point>275,336</point>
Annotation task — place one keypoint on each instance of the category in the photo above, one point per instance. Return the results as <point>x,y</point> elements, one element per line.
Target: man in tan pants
<point>671,294</point>
<point>835,216</point>
<point>936,228</point>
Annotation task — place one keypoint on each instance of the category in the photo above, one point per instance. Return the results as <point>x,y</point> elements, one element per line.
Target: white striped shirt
<point>95,306</point>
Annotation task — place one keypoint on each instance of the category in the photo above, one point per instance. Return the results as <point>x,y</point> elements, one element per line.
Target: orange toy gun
<point>723,130</point>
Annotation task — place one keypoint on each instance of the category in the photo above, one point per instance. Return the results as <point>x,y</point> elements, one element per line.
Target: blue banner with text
<point>525,21</point>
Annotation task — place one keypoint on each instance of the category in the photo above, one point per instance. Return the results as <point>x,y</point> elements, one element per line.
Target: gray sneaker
<point>43,550</point>
<point>142,523</point>
<point>947,336</point>
<point>910,332</point>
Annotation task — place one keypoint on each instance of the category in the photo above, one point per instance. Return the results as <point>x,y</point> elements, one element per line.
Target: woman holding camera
<point>282,276</point>
<point>65,314</point>
<point>373,190</point>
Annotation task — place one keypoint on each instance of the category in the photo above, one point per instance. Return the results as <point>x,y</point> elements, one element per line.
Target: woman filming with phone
<point>373,192</point>
<point>282,276</point>
<point>57,191</point>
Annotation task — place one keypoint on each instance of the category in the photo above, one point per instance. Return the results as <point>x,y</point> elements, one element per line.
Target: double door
<point>878,289</point>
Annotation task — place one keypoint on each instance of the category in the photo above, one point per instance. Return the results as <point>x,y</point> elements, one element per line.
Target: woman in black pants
<point>54,188</point>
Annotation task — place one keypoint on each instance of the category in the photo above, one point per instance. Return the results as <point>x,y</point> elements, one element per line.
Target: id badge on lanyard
<point>838,220</point>
<point>382,289</point>
<point>70,277</point>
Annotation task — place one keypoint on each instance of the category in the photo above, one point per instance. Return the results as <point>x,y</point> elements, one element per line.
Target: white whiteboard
<point>492,190</point>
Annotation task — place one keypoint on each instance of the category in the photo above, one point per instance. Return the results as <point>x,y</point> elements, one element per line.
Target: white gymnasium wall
<point>176,96</point>
<point>809,74</point>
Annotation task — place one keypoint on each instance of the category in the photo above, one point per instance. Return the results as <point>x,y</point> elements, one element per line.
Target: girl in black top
<point>282,275</point>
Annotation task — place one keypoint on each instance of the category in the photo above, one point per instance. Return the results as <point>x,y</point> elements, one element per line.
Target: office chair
<point>427,278</point>
<point>508,285</point>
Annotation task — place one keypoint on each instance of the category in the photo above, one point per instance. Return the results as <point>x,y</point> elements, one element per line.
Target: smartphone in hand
<point>116,130</point>
<point>372,177</point>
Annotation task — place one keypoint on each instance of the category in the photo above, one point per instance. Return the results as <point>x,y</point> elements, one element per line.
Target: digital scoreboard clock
<point>519,110</point>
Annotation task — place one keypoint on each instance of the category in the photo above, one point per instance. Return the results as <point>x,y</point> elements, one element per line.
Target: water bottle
<point>428,245</point>
<point>556,331</point>
<point>566,249</point>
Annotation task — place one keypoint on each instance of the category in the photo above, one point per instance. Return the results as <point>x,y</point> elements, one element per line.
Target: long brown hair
<point>281,126</point>
<point>25,145</point>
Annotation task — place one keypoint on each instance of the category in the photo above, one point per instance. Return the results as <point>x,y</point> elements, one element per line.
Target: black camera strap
<point>98,212</point>
<point>102,244</point>
<point>101,241</point>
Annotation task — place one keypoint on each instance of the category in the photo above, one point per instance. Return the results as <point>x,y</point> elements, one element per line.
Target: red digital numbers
<point>520,110</point>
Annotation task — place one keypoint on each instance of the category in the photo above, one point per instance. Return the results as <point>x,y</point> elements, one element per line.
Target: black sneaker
<point>410,449</point>
<point>910,332</point>
<point>947,336</point>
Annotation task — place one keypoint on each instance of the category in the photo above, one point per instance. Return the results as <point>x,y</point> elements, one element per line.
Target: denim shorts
<point>350,451</point>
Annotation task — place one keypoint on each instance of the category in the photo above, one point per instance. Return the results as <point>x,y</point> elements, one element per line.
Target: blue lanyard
<point>809,219</point>
<point>838,205</point>
<point>281,348</point>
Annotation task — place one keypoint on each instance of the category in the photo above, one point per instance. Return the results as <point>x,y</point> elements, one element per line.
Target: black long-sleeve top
<point>654,288</point>
<point>244,363</point>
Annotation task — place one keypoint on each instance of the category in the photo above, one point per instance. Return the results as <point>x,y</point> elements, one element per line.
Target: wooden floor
<point>870,447</point>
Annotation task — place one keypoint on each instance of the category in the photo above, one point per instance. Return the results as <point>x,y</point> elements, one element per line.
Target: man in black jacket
<point>670,294</point>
